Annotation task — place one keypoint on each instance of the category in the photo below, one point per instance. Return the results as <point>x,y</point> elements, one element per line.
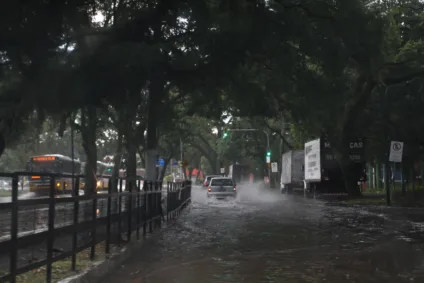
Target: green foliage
<point>168,179</point>
<point>336,68</point>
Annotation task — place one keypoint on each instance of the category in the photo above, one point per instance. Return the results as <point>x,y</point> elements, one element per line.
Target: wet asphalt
<point>264,236</point>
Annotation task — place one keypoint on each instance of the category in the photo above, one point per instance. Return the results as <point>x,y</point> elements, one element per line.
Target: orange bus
<point>52,163</point>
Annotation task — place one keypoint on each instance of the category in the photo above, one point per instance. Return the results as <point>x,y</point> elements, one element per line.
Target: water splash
<point>258,193</point>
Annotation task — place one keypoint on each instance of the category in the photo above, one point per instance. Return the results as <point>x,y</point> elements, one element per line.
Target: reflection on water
<point>266,237</point>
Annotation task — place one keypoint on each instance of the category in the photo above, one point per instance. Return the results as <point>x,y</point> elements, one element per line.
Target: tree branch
<point>307,11</point>
<point>404,78</point>
<point>278,132</point>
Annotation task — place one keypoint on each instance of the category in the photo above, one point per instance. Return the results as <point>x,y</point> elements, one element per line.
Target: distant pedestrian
<point>251,178</point>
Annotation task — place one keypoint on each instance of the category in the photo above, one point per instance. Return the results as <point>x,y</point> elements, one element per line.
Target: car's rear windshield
<point>208,178</point>
<point>222,182</point>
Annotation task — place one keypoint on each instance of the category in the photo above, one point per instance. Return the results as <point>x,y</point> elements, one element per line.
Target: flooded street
<point>266,237</point>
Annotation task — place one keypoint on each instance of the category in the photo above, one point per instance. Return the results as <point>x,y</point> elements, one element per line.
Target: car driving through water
<point>221,187</point>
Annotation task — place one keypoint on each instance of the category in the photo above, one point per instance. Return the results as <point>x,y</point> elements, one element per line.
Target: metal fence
<point>58,226</point>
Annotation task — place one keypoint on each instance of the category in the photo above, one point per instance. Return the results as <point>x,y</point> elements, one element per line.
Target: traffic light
<point>268,153</point>
<point>225,135</point>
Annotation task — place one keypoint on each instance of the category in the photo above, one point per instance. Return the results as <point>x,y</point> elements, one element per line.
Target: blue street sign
<point>175,163</point>
<point>160,162</point>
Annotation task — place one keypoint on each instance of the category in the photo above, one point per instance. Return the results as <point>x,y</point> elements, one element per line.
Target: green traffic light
<point>268,153</point>
<point>225,135</point>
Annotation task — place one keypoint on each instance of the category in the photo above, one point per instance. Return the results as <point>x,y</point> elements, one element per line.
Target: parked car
<point>222,187</point>
<point>208,179</point>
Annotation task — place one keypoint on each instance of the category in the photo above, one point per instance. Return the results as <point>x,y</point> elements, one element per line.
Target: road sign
<point>268,159</point>
<point>222,170</point>
<point>160,162</point>
<point>396,151</point>
<point>274,167</point>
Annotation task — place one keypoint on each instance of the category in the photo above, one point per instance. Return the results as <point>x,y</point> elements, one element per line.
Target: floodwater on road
<point>268,237</point>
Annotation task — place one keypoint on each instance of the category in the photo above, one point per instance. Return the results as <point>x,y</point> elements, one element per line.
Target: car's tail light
<point>209,189</point>
<point>205,184</point>
<point>235,187</point>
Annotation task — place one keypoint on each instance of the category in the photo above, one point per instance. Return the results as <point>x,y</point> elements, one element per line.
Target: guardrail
<point>88,219</point>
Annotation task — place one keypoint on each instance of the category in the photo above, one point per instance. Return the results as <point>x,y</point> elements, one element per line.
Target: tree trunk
<point>131,165</point>
<point>88,131</point>
<point>156,93</point>
<point>117,160</point>
<point>142,157</point>
<point>349,170</point>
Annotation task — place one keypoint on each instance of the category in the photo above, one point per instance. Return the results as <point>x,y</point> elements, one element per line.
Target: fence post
<point>155,201</point>
<point>167,202</point>
<point>145,185</point>
<point>159,203</point>
<point>150,195</point>
<point>119,211</point>
<point>190,191</point>
<point>50,237</point>
<point>94,228</point>
<point>138,209</point>
<point>109,218</point>
<point>129,209</point>
<point>14,230</point>
<point>173,200</point>
<point>75,233</point>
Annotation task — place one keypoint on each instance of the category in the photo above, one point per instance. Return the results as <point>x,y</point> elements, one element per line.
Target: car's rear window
<point>208,179</point>
<point>222,182</point>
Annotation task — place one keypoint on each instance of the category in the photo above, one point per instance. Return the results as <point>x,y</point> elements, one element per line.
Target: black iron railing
<point>46,222</point>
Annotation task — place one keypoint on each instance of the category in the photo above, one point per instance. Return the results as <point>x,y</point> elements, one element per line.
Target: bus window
<point>44,166</point>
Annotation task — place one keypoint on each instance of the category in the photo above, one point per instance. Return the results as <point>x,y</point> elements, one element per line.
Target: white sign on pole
<point>268,159</point>
<point>222,170</point>
<point>396,151</point>
<point>274,167</point>
<point>313,161</point>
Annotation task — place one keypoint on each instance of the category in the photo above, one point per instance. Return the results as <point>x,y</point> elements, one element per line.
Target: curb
<point>98,270</point>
